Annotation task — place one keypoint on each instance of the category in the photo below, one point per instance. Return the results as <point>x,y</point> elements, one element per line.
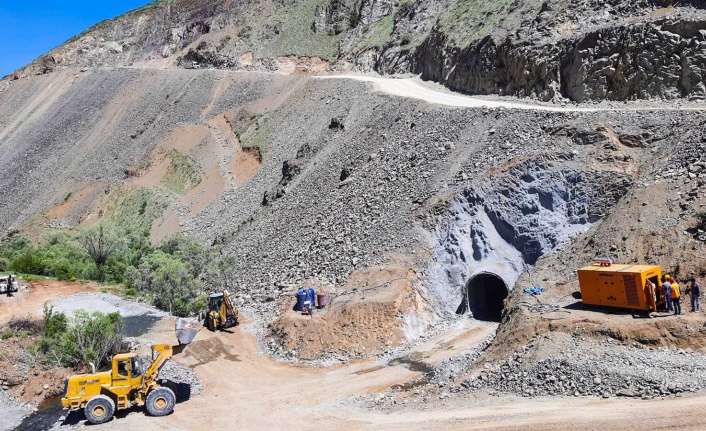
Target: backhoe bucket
<point>186,330</point>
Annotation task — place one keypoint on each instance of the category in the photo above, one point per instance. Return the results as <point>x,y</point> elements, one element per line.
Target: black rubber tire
<point>99,409</point>
<point>211,323</point>
<point>160,402</point>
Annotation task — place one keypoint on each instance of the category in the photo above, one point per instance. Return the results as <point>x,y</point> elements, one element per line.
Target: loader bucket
<point>186,330</point>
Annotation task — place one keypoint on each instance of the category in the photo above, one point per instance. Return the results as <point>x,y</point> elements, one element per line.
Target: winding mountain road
<point>415,88</point>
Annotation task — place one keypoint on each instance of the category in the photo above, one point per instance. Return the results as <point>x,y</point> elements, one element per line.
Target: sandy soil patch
<point>30,301</point>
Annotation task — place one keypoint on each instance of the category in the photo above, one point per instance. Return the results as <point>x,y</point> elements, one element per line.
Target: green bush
<point>87,340</point>
<point>169,280</point>
<point>183,173</point>
<point>59,256</point>
<point>173,276</point>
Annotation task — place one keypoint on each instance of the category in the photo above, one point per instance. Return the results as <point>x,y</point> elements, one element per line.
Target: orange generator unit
<point>635,287</point>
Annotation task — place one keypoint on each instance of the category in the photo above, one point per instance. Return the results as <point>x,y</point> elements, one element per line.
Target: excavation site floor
<point>245,389</point>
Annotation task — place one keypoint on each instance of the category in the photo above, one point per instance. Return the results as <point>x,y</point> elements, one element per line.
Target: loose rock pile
<point>593,368</point>
<point>180,374</point>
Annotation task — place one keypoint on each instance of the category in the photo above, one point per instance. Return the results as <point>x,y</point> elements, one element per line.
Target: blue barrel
<point>311,296</point>
<point>301,299</point>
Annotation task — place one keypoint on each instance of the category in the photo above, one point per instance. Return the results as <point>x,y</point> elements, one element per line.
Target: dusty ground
<point>243,388</point>
<point>30,301</point>
<point>246,390</point>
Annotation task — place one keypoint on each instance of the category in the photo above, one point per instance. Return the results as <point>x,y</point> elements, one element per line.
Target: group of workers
<point>670,294</point>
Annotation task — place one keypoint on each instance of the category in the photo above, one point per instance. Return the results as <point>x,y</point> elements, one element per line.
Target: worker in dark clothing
<point>667,292</point>
<point>9,285</point>
<point>695,293</point>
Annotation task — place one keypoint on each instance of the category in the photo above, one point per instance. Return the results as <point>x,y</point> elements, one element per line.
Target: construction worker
<point>667,292</point>
<point>650,294</point>
<point>695,293</point>
<point>676,297</point>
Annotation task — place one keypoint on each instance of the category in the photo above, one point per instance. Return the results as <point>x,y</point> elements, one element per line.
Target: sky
<point>31,28</point>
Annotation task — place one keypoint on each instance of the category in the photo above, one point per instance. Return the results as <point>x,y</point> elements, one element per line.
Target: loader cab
<point>215,300</point>
<point>126,375</point>
<point>126,365</point>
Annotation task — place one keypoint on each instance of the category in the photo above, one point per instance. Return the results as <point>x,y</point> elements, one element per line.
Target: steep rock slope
<point>311,181</point>
<point>553,49</point>
<point>348,180</point>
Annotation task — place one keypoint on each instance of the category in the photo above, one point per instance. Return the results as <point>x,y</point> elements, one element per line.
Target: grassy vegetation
<point>183,173</point>
<point>257,135</point>
<point>469,20</point>
<point>379,33</point>
<point>136,210</point>
<point>294,35</point>
<point>173,277</point>
<point>117,250</point>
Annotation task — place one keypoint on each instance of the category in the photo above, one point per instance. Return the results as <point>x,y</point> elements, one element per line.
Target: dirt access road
<point>414,88</point>
<point>29,301</point>
<point>245,389</point>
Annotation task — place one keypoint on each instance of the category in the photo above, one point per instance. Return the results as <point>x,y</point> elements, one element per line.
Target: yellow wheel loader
<point>222,313</point>
<point>126,385</point>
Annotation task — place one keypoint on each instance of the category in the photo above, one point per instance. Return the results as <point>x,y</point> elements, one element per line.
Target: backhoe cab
<point>126,385</point>
<point>222,313</point>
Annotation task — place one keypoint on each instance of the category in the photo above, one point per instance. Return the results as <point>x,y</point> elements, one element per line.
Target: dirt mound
<point>380,310</point>
<point>24,377</point>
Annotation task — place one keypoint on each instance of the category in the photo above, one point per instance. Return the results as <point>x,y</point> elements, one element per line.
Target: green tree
<point>100,242</point>
<point>85,340</point>
<point>172,280</point>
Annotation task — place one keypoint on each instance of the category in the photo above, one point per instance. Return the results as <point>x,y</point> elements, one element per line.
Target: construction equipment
<point>622,286</point>
<point>125,385</point>
<point>8,285</point>
<point>222,313</point>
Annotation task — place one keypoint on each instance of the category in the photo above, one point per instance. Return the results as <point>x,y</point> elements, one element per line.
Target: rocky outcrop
<point>335,17</point>
<point>557,49</point>
<point>508,223</point>
<point>665,59</point>
<point>487,67</point>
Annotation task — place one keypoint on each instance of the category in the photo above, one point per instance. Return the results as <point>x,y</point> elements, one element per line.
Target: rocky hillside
<point>172,112</point>
<point>551,49</point>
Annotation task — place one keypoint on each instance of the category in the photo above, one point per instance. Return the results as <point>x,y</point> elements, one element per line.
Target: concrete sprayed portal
<point>484,297</point>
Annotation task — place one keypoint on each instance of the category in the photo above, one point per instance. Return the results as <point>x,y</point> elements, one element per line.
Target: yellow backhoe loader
<point>222,313</point>
<point>126,385</point>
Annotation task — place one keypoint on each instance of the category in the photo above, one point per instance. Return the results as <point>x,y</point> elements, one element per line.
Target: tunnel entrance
<point>484,296</point>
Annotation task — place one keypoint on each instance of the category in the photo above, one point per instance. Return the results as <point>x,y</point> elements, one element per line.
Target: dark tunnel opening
<point>485,296</point>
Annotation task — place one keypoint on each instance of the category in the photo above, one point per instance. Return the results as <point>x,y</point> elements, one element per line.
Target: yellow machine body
<point>124,383</point>
<point>620,286</point>
<point>222,313</point>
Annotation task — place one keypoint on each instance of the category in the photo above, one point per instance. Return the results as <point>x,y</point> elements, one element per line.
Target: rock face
<point>507,224</point>
<point>662,59</point>
<point>555,49</point>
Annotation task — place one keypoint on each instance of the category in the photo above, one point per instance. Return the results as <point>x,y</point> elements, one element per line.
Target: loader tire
<point>160,402</point>
<point>99,409</point>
